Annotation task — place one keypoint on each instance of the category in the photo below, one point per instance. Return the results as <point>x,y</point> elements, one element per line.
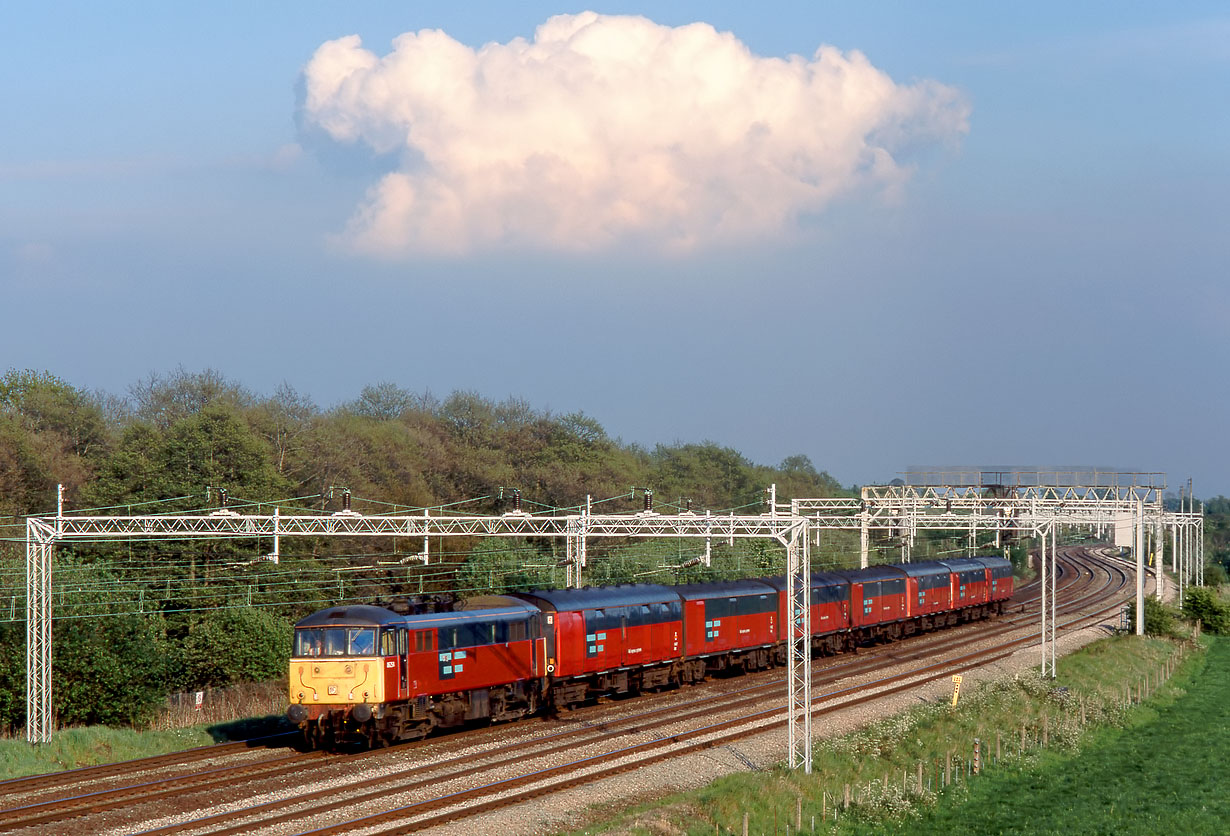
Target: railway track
<point>753,707</point>
<point>451,807</point>
<point>89,774</point>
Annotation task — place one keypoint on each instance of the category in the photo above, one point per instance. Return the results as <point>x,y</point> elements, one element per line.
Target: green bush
<point>1215,574</point>
<point>107,670</point>
<point>236,645</point>
<point>1159,618</point>
<point>12,675</point>
<point>1202,602</point>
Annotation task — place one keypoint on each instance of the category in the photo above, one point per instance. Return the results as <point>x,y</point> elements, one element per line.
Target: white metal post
<point>276,557</point>
<point>1140,566</point>
<point>864,523</point>
<point>1200,542</point>
<point>1053,597</point>
<point>798,631</point>
<point>38,633</point>
<point>1045,595</point>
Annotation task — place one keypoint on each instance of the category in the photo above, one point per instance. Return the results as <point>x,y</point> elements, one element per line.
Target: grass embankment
<point>1074,755</point>
<point>91,745</point>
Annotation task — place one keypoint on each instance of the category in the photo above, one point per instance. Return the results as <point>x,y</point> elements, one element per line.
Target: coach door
<point>403,646</point>
<point>534,632</point>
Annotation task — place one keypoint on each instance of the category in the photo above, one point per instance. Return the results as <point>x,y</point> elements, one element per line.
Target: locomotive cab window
<point>335,641</point>
<point>361,640</point>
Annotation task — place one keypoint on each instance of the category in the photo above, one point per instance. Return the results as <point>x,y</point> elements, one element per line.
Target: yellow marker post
<point>956,687</point>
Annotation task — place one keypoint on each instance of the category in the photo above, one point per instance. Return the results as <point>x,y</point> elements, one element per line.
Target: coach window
<point>516,631</point>
<point>388,642</point>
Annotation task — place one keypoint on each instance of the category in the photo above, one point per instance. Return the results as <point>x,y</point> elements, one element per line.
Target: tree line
<point>134,620</point>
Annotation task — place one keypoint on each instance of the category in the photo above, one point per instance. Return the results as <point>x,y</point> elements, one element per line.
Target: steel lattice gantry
<point>1133,511</point>
<point>902,510</point>
<point>787,529</point>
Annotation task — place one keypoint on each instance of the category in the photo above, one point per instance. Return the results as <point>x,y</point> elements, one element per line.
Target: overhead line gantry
<point>1035,510</point>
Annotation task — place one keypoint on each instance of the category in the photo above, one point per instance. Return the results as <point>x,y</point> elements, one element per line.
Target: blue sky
<point>1045,284</point>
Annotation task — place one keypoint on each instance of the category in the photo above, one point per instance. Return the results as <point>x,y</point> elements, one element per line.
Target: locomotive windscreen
<point>335,641</point>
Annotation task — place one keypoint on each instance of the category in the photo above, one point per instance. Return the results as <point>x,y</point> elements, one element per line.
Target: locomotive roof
<point>596,597</point>
<point>723,589</point>
<point>491,607</point>
<point>351,615</point>
<point>494,602</point>
<point>430,620</point>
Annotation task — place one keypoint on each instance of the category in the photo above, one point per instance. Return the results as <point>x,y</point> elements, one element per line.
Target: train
<point>371,675</point>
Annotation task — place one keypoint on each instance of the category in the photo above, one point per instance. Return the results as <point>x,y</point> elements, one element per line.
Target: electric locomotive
<point>366,674</point>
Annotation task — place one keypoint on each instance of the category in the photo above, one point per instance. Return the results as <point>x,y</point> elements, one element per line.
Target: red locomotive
<point>368,673</point>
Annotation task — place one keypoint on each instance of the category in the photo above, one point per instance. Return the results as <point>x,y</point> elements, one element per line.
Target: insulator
<point>648,500</point>
<point>516,496</point>
<point>687,505</point>
<point>222,497</point>
<point>346,500</point>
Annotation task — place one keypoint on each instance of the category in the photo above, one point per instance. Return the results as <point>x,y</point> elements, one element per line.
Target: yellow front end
<point>329,682</point>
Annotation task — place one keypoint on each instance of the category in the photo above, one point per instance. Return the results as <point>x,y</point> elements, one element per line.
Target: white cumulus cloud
<point>605,130</point>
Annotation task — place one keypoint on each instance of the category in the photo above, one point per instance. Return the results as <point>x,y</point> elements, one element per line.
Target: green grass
<point>1160,774</point>
<point>72,748</point>
<point>1083,709</point>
